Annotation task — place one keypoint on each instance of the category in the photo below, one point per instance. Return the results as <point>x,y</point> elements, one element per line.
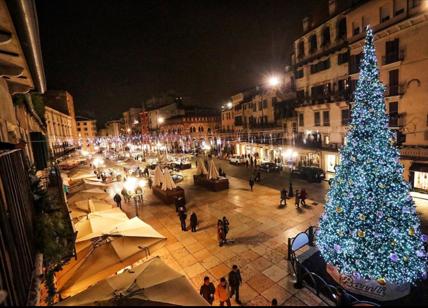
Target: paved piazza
<point>260,231</point>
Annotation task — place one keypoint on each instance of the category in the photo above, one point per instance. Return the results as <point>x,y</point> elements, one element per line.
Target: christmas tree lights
<point>370,228</point>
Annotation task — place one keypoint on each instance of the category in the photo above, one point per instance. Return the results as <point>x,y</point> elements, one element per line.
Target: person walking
<point>182,215</point>
<point>297,199</point>
<point>251,182</point>
<point>208,290</point>
<point>222,292</point>
<point>193,221</point>
<point>125,195</point>
<point>258,177</point>
<point>225,228</point>
<point>235,281</point>
<point>283,201</point>
<point>303,196</point>
<point>150,182</point>
<point>118,199</point>
<point>220,233</point>
<point>247,164</point>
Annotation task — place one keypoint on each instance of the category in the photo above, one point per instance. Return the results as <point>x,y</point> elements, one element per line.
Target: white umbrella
<point>107,245</point>
<point>213,172</point>
<point>201,167</point>
<point>81,209</point>
<point>168,183</point>
<point>159,177</point>
<point>153,281</point>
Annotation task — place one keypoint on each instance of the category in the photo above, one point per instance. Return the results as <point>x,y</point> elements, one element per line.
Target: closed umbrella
<point>201,170</point>
<point>168,183</point>
<point>152,281</point>
<point>213,172</point>
<point>159,177</point>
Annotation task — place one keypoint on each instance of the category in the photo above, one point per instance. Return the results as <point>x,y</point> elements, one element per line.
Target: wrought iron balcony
<point>394,90</point>
<point>392,57</point>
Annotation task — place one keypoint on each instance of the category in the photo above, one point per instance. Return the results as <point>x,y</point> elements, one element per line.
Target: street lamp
<point>274,81</point>
<point>229,105</point>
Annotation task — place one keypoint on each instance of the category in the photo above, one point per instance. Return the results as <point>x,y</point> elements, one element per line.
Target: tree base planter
<point>213,185</point>
<point>168,196</point>
<point>184,166</point>
<point>377,290</point>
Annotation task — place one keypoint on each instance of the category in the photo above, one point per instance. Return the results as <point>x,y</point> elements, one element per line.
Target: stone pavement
<point>260,231</point>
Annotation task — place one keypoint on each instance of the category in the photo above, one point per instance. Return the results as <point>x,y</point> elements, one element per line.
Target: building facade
<point>401,41</point>
<point>131,120</point>
<point>113,128</point>
<point>59,131</point>
<point>196,128</point>
<point>86,132</point>
<point>326,63</point>
<point>63,102</point>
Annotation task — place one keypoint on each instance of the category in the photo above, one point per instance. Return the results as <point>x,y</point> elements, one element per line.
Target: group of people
<point>299,198</point>
<point>222,231</point>
<point>181,210</point>
<point>225,290</point>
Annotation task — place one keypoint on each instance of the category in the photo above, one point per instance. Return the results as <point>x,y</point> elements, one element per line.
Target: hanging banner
<point>378,290</point>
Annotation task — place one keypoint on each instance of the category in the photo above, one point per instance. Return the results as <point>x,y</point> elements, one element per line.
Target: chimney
<point>306,23</point>
<point>332,7</point>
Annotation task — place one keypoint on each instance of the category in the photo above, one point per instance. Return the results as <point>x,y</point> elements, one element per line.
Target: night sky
<point>114,54</point>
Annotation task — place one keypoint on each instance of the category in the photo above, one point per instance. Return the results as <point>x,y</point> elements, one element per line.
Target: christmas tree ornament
<point>381,281</point>
<point>393,257</point>
<point>361,233</point>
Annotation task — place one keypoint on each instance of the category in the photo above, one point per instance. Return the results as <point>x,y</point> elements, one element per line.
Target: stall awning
<point>419,167</point>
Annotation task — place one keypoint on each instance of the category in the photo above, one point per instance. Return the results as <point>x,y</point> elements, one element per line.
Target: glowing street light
<point>274,81</point>
<point>161,120</point>
<point>229,105</point>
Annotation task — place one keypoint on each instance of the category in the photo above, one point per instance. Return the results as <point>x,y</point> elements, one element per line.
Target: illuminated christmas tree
<point>370,228</point>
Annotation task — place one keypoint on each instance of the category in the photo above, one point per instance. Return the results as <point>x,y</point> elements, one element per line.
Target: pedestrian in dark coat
<point>303,196</point>
<point>193,221</point>
<point>182,215</point>
<point>235,281</point>
<point>118,199</point>
<point>283,197</point>
<point>251,182</point>
<point>220,233</point>
<point>297,199</point>
<point>225,227</point>
<point>208,290</point>
<point>258,176</point>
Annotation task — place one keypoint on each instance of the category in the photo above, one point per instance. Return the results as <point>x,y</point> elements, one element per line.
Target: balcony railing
<point>325,98</point>
<point>393,57</point>
<point>394,90</point>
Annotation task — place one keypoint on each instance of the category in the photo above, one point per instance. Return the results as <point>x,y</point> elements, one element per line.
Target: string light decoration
<point>369,228</point>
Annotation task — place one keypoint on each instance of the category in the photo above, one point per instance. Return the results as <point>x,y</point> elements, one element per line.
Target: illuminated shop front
<point>331,160</point>
<point>419,177</point>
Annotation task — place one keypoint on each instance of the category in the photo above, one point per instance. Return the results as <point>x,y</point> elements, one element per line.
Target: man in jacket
<point>235,280</point>
<point>207,290</point>
<point>118,200</point>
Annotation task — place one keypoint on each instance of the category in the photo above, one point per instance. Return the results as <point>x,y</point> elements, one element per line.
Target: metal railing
<point>393,57</point>
<point>304,278</point>
<point>17,245</point>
